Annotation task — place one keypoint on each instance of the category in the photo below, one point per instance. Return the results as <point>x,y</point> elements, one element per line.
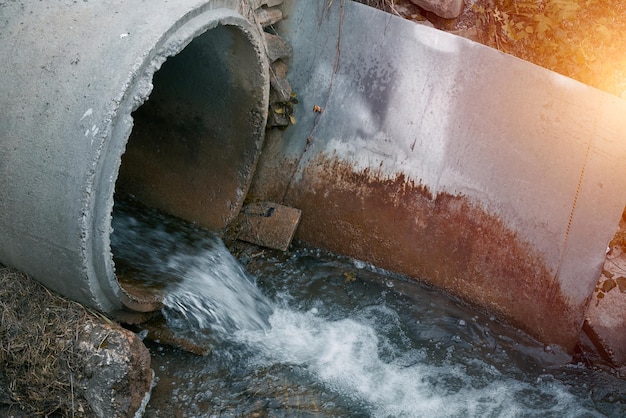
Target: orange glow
<point>615,81</point>
<point>581,39</point>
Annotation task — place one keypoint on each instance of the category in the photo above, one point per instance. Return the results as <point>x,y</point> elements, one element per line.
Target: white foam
<point>352,357</point>
<point>344,356</point>
<point>216,293</point>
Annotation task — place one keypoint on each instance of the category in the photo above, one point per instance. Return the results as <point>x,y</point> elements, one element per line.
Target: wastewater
<point>307,333</point>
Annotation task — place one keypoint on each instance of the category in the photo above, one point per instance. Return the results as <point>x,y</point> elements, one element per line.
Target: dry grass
<point>38,354</point>
<point>583,40</point>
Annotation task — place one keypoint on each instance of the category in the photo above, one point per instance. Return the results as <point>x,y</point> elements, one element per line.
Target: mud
<point>444,240</point>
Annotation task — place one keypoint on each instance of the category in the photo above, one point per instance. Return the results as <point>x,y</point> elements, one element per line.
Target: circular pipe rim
<point>97,217</point>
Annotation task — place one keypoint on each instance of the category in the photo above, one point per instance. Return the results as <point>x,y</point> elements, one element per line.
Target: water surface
<point>312,334</point>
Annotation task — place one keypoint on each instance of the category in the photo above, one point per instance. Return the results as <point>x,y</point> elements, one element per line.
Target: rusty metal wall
<point>450,162</point>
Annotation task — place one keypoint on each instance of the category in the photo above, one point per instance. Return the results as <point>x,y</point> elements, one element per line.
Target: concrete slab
<point>267,224</point>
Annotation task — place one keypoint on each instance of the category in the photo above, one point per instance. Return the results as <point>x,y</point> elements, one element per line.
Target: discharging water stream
<point>312,334</point>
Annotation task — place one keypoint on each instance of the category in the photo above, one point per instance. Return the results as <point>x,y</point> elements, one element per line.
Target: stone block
<point>277,48</point>
<point>268,224</point>
<point>268,16</point>
<point>448,9</point>
<point>282,89</point>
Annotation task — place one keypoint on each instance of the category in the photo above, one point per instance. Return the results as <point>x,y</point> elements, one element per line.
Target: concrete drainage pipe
<point>75,128</point>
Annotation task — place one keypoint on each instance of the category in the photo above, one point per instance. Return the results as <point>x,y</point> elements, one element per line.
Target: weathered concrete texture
<point>451,162</point>
<point>448,9</point>
<point>71,96</point>
<point>199,129</point>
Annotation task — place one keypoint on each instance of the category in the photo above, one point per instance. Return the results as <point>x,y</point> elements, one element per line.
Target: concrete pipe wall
<point>76,79</point>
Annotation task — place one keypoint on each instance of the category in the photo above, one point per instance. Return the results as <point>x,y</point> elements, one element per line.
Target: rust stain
<point>271,178</point>
<point>444,240</point>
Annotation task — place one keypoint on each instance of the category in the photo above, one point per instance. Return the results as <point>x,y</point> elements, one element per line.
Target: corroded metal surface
<point>446,160</point>
<point>445,239</point>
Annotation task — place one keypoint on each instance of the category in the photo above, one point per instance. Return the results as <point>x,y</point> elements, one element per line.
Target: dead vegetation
<point>38,349</point>
<point>581,39</point>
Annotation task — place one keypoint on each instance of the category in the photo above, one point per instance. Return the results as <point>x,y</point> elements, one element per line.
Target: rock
<point>277,48</point>
<point>281,97</point>
<point>281,88</point>
<point>255,4</point>
<point>267,224</point>
<point>279,69</point>
<point>118,378</point>
<point>268,16</point>
<point>605,322</point>
<point>272,3</point>
<point>469,33</point>
<point>448,9</point>
<point>277,117</point>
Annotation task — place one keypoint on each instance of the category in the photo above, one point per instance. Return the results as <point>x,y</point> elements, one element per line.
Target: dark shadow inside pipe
<point>195,141</point>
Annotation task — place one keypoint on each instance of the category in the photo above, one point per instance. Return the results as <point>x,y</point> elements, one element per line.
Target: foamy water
<point>350,338</point>
<point>344,355</point>
<point>205,287</point>
<point>216,294</point>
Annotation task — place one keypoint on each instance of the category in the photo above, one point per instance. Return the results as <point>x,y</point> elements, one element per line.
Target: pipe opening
<point>195,141</point>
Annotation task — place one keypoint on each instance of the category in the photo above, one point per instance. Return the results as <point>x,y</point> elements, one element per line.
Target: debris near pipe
<point>58,358</point>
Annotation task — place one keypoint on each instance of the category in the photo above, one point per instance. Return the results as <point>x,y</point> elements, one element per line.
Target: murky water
<point>312,334</point>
